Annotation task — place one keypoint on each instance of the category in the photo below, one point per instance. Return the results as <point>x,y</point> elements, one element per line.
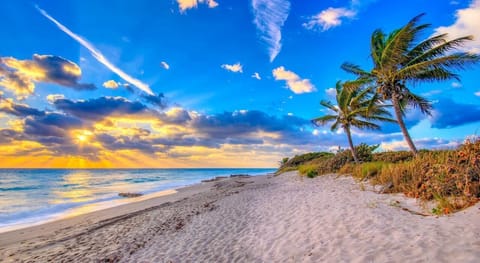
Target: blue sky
<point>205,83</point>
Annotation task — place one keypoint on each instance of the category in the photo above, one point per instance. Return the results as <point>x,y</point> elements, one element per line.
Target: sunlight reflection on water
<point>79,190</point>
<point>89,208</point>
<point>103,205</point>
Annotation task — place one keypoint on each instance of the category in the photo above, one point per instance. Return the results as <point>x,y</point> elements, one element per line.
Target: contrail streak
<point>98,55</point>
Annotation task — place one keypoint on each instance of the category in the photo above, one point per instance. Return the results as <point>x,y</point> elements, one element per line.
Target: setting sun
<point>82,136</point>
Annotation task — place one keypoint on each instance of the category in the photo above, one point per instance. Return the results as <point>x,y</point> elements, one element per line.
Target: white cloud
<point>53,97</point>
<point>334,149</point>
<point>98,55</point>
<point>456,85</point>
<point>290,97</point>
<point>328,18</point>
<point>332,92</point>
<point>256,76</point>
<point>111,84</point>
<point>477,93</point>
<point>237,67</point>
<point>187,4</point>
<point>394,146</point>
<point>467,23</point>
<point>212,3</point>
<point>423,143</point>
<point>269,18</point>
<point>290,114</point>
<point>165,65</point>
<point>294,82</point>
<point>432,92</point>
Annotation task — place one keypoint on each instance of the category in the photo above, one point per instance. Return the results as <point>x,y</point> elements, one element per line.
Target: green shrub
<point>364,152</point>
<point>304,159</point>
<point>344,157</point>
<point>312,174</point>
<point>301,159</point>
<point>367,170</point>
<point>308,169</point>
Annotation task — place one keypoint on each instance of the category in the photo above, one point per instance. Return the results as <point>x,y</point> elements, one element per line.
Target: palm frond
<point>383,119</point>
<point>399,41</point>
<point>433,75</point>
<point>354,69</point>
<point>439,67</point>
<point>361,124</point>
<point>329,105</point>
<point>338,87</point>
<point>438,50</point>
<point>342,96</point>
<point>323,120</point>
<point>352,85</point>
<point>377,44</point>
<point>361,97</point>
<point>426,45</point>
<point>422,103</point>
<point>335,125</point>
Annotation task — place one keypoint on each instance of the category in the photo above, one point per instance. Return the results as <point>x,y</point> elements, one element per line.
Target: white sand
<point>278,219</point>
<point>320,220</point>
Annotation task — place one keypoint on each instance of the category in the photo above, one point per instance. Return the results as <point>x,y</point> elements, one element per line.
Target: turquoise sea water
<point>32,196</point>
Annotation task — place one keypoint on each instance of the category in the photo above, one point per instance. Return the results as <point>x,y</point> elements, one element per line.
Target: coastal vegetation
<point>451,178</point>
<point>400,60</point>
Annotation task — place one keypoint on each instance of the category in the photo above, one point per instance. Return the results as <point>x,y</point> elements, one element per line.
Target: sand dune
<point>266,219</point>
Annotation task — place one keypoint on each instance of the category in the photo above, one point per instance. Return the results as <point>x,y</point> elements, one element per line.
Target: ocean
<point>34,196</point>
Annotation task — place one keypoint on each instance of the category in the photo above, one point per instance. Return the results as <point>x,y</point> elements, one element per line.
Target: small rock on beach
<point>129,195</point>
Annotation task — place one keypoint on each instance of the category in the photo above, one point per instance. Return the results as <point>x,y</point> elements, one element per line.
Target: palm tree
<point>355,108</point>
<point>400,59</point>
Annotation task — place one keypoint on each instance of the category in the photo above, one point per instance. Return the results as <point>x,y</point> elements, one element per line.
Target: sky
<point>206,83</point>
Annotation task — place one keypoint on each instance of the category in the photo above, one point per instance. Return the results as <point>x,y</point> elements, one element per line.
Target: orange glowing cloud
<point>19,76</point>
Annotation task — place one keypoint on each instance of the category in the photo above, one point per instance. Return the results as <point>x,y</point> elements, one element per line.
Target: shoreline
<point>126,206</point>
<point>284,218</point>
<point>85,209</point>
<point>79,209</point>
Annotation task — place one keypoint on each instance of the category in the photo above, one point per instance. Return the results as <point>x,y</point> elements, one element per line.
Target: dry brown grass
<point>392,157</point>
<point>452,178</point>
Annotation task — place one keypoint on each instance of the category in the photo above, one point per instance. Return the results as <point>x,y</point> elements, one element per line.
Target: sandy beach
<point>285,218</point>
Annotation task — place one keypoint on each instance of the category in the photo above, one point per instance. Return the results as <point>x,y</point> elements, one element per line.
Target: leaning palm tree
<point>400,59</point>
<point>355,108</point>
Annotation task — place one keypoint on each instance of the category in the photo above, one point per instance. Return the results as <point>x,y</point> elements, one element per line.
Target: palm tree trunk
<point>401,123</point>
<point>350,142</point>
